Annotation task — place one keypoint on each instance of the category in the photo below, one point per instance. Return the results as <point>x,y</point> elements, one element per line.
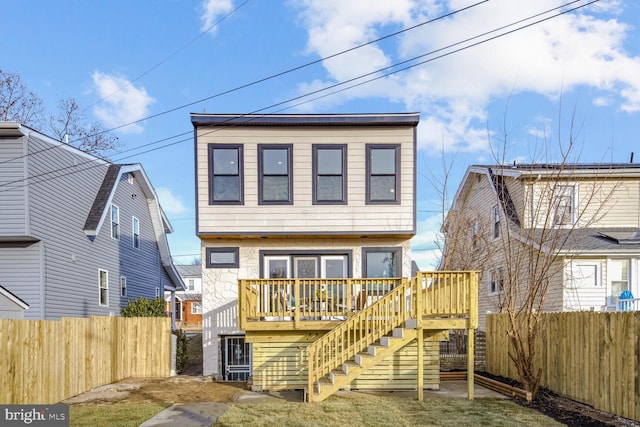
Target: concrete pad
<point>202,414</point>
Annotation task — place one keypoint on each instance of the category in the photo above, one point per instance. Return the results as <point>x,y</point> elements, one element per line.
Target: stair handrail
<point>347,339</point>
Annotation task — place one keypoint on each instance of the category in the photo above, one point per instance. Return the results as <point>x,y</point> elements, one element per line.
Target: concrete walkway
<point>204,414</point>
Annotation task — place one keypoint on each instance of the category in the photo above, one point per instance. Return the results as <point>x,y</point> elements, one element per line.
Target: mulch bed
<point>566,411</point>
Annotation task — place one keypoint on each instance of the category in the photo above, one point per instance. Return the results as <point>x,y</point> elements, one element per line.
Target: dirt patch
<point>179,389</point>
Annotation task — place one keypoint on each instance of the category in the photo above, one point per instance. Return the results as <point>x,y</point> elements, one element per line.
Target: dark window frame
<point>236,254</point>
<point>368,186</point>
<point>261,175</point>
<point>210,152</point>
<point>292,254</point>
<point>396,249</point>
<point>343,175</point>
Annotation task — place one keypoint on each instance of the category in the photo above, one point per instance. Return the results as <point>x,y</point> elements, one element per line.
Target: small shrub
<point>143,307</point>
<point>181,351</point>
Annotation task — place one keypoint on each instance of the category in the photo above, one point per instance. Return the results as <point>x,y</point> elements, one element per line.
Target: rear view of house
<point>305,223</point>
<point>79,236</point>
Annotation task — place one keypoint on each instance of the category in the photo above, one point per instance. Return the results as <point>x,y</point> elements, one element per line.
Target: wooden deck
<point>448,300</point>
<point>339,319</point>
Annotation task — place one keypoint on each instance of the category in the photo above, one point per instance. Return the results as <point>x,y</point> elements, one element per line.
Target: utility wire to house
<point>392,69</point>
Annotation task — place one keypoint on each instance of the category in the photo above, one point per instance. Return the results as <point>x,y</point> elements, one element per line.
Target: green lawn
<point>117,414</point>
<point>384,411</point>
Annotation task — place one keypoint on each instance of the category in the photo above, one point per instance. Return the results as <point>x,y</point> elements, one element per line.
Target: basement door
<point>236,358</point>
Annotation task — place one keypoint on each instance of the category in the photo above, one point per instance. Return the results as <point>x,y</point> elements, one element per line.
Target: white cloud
<point>579,49</point>
<point>122,102</point>
<point>212,11</point>
<point>171,203</point>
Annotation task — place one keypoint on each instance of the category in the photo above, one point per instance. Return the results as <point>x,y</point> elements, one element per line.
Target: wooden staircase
<point>360,342</point>
<point>360,363</point>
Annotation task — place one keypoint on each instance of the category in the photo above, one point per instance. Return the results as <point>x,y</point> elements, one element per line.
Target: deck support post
<point>470,362</point>
<point>297,296</point>
<point>420,344</point>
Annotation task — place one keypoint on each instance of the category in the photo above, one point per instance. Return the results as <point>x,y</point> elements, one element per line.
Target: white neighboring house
<point>596,205</point>
<point>188,303</point>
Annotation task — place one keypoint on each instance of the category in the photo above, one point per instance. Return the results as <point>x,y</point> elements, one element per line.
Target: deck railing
<point>308,299</point>
<point>448,294</point>
<point>442,294</point>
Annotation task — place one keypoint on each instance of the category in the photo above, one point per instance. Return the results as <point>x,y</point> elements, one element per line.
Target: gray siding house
<point>79,236</point>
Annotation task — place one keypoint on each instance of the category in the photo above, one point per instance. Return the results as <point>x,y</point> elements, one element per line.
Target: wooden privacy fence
<point>590,357</point>
<point>46,361</point>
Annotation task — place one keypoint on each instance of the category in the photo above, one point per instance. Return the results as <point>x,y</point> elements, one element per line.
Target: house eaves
<point>374,119</point>
<point>582,241</point>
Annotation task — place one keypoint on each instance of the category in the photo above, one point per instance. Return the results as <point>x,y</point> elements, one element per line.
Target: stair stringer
<point>360,363</point>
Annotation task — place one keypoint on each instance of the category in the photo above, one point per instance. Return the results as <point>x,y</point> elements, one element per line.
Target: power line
<point>394,71</point>
<point>282,73</point>
<point>288,71</point>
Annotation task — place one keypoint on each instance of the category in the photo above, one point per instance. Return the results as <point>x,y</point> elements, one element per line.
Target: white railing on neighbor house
<point>629,304</point>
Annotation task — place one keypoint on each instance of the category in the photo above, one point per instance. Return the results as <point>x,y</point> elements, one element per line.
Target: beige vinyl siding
<point>616,203</point>
<point>304,216</point>
<point>579,295</point>
<point>283,365</point>
<point>610,203</point>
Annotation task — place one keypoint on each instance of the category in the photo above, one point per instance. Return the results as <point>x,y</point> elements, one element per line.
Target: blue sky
<point>575,75</point>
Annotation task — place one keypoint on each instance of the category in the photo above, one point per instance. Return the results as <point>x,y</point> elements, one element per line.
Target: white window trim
<point>100,288</point>
<point>134,234</point>
<point>325,258</point>
<point>123,289</point>
<point>495,213</point>
<point>117,221</point>
<point>574,203</point>
<point>631,276</point>
<point>191,284</point>
<point>196,304</point>
<point>157,292</point>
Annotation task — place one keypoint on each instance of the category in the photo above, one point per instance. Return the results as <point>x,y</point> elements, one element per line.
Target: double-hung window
<point>383,173</point>
<point>123,286</point>
<point>329,174</point>
<point>275,176</point>
<point>103,287</point>
<point>563,205</point>
<point>136,233</point>
<point>115,222</point>
<point>496,281</point>
<point>226,182</point>
<point>495,222</point>
<point>196,308</point>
